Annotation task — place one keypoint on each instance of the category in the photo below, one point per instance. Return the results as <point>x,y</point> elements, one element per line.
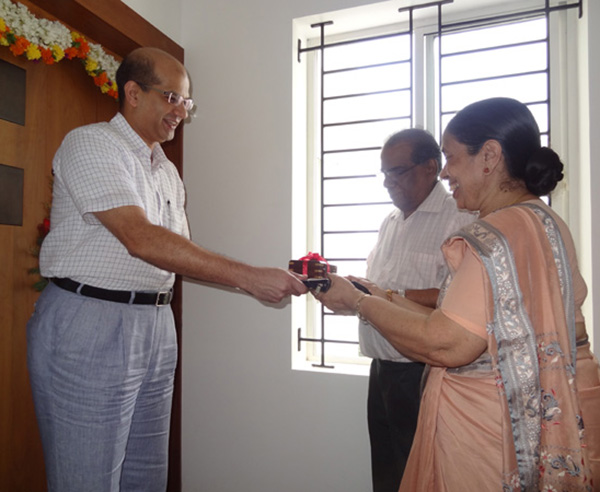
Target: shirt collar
<point>434,202</point>
<point>156,156</point>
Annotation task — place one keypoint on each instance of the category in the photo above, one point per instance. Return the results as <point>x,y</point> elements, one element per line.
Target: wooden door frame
<point>119,30</point>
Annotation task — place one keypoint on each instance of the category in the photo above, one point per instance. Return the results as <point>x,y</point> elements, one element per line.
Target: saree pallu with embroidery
<point>588,388</point>
<point>511,420</point>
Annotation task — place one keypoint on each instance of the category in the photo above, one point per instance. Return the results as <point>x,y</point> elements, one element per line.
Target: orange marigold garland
<point>50,42</point>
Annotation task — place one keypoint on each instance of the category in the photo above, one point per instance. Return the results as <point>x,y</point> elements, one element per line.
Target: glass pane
<point>365,80</point>
<point>351,163</point>
<point>488,37</point>
<point>369,107</point>
<point>445,120</point>
<point>342,328</point>
<point>339,351</point>
<point>539,111</point>
<point>562,3</point>
<point>501,61</point>
<point>351,245</point>
<point>354,190</point>
<point>364,53</point>
<point>525,88</point>
<point>361,135</point>
<point>356,218</point>
<point>357,268</point>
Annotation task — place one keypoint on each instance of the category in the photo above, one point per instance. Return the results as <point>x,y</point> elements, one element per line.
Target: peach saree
<point>511,420</point>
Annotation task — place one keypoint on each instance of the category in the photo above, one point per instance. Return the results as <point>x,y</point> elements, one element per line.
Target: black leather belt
<point>124,296</point>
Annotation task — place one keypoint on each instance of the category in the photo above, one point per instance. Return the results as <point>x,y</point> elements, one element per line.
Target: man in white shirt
<point>406,261</point>
<point>102,348</point>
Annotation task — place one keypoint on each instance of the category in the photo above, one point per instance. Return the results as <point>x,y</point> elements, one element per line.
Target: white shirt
<point>100,167</point>
<point>408,256</point>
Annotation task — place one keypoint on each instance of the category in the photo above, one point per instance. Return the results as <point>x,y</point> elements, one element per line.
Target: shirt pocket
<point>428,270</point>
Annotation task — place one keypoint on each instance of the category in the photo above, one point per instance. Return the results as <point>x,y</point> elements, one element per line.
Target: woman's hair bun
<point>543,171</point>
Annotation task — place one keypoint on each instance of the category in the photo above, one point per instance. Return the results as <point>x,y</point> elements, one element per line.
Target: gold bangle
<point>389,294</point>
<point>357,308</point>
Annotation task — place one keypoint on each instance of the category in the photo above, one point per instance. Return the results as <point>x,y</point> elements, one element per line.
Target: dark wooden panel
<point>59,98</point>
<point>12,87</point>
<point>11,195</point>
<point>23,147</point>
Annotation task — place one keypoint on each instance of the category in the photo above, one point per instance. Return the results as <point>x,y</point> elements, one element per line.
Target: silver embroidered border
<point>515,337</point>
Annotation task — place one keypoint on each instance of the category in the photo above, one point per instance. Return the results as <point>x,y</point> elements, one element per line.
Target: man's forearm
<point>172,252</point>
<point>425,297</point>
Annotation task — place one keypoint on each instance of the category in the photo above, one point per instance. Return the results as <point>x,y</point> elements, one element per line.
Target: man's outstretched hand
<point>274,284</point>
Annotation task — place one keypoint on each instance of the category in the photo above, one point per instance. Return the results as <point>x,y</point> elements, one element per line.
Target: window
<point>360,86</point>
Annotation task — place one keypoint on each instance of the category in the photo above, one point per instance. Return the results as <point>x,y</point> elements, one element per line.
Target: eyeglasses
<point>396,172</point>
<point>172,97</point>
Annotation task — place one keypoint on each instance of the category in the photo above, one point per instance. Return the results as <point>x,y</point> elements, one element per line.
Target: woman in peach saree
<point>478,421</point>
<point>504,406</point>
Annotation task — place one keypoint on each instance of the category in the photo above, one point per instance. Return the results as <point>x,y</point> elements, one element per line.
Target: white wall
<point>592,20</point>
<point>250,423</point>
<point>166,16</point>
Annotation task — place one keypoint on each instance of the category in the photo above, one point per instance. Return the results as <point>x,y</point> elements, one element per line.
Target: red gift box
<point>312,265</point>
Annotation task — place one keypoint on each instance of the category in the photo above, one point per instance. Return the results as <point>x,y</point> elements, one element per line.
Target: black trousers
<point>392,412</point>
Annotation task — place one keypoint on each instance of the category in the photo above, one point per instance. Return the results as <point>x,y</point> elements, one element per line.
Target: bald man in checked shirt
<point>102,347</point>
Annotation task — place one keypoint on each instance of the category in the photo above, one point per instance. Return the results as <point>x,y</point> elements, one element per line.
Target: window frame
<point>307,201</point>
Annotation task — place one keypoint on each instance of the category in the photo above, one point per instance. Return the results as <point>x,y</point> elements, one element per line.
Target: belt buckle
<point>163,298</point>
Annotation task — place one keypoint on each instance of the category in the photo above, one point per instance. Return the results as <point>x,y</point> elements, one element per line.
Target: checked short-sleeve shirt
<point>100,167</point>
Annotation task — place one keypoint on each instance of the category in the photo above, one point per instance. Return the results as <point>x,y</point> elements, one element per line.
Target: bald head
<point>140,65</point>
<point>422,143</point>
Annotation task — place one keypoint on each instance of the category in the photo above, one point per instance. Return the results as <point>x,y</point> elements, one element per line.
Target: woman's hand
<point>341,297</point>
<point>416,331</point>
<point>374,289</point>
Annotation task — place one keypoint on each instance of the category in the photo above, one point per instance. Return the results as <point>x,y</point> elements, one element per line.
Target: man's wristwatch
<point>389,294</point>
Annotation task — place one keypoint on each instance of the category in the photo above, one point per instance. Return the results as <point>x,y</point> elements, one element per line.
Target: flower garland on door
<point>49,41</point>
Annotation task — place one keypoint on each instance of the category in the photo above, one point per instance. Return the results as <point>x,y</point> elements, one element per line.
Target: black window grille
<point>366,91</point>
